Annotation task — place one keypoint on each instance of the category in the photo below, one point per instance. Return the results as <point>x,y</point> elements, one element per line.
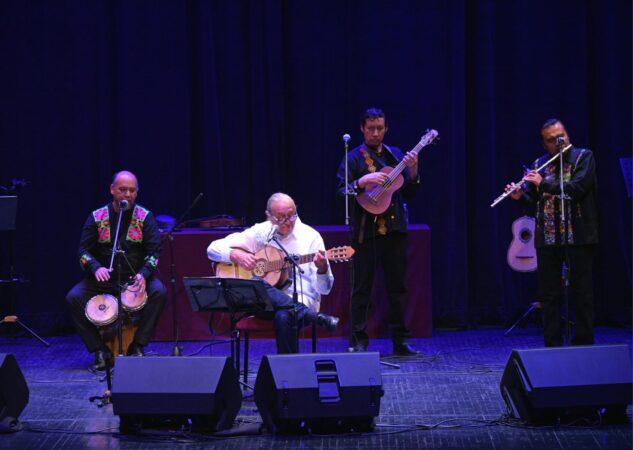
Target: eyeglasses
<point>280,220</point>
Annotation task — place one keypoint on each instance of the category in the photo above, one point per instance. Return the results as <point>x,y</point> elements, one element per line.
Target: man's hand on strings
<point>243,258</point>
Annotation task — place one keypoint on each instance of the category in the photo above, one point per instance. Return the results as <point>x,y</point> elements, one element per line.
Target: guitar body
<point>263,267</point>
<point>377,199</point>
<point>272,266</point>
<point>521,253</point>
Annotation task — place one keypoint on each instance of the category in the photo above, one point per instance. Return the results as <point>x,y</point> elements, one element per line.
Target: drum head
<point>102,309</point>
<point>131,300</point>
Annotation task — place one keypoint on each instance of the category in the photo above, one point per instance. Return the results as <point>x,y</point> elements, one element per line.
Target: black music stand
<point>227,294</point>
<point>233,295</point>
<point>8,210</point>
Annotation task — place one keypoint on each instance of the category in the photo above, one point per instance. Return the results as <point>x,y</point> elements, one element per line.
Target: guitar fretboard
<point>278,264</point>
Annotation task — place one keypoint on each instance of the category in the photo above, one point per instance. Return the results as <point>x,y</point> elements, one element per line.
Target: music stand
<point>227,294</point>
<point>233,295</point>
<point>8,211</point>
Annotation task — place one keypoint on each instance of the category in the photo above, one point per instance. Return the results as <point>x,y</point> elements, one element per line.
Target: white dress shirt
<point>302,240</point>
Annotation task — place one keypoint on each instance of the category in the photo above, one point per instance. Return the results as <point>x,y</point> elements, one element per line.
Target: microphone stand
<point>295,295</point>
<point>176,350</point>
<point>349,194</point>
<point>116,249</point>
<point>566,266</point>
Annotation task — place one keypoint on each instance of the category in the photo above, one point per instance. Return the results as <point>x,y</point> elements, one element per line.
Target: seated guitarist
<point>297,238</point>
<point>379,237</point>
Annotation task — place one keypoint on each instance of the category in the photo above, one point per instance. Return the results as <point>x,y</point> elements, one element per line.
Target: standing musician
<point>297,238</point>
<point>140,240</point>
<point>379,238</point>
<point>542,190</point>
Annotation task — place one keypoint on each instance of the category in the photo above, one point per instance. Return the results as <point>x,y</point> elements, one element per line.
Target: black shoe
<point>358,348</point>
<point>135,350</point>
<point>326,321</point>
<point>100,360</point>
<point>404,349</point>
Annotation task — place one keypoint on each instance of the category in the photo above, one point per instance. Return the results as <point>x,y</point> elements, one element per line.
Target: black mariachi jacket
<point>580,184</point>
<point>361,161</point>
<point>139,237</point>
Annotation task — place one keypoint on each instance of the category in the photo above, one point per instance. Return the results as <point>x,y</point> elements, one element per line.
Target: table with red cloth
<point>190,258</point>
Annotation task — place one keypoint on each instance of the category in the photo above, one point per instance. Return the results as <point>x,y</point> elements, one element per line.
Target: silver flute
<point>519,183</point>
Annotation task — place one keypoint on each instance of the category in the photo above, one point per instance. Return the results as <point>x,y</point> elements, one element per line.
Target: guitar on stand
<point>521,253</point>
<point>376,200</point>
<point>522,256</point>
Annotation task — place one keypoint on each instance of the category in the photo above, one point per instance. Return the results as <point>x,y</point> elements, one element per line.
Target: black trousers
<point>285,317</point>
<point>550,288</point>
<point>390,252</point>
<point>89,287</point>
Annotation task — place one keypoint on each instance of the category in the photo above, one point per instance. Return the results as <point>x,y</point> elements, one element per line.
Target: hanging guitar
<point>521,253</point>
<point>271,264</point>
<point>377,199</point>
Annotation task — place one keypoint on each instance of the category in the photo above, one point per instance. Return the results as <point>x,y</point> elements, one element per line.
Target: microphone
<point>560,140</point>
<point>123,204</point>
<point>346,138</point>
<point>273,231</point>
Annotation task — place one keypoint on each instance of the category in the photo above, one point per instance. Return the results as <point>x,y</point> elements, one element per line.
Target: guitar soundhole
<point>525,235</point>
<point>259,270</point>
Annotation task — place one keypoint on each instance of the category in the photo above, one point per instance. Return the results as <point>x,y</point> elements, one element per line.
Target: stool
<point>251,324</point>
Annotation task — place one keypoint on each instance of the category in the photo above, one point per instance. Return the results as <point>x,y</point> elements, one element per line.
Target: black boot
<point>326,321</point>
<point>135,350</point>
<point>100,360</point>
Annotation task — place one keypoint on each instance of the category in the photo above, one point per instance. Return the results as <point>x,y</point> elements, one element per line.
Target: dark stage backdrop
<point>238,99</point>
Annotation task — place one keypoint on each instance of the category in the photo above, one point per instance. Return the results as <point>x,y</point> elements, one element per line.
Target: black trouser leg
<point>364,268</point>
<point>549,288</point>
<point>394,264</point>
<point>581,293</point>
<point>150,314</point>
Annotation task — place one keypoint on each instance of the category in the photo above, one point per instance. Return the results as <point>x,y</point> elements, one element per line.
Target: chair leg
<point>246,342</point>
<point>314,337</point>
<point>235,351</point>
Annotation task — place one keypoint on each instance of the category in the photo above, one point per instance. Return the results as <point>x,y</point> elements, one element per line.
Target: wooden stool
<point>111,338</point>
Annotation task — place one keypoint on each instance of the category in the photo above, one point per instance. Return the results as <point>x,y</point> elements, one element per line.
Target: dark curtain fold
<point>239,99</point>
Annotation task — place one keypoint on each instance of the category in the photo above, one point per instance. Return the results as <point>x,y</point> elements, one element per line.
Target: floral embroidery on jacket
<point>102,220</point>
<point>137,222</point>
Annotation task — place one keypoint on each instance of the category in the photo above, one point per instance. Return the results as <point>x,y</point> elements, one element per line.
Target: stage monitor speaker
<point>563,384</point>
<point>326,392</point>
<point>152,392</point>
<point>14,393</point>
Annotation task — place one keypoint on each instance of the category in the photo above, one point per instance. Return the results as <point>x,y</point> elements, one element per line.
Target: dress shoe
<point>404,349</point>
<point>100,360</point>
<point>358,348</point>
<point>135,350</point>
<point>328,322</point>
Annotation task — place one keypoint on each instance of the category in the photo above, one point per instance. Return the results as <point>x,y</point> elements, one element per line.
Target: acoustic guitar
<point>377,199</point>
<point>521,253</point>
<point>271,264</point>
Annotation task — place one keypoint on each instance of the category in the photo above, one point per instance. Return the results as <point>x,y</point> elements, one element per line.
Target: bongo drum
<point>102,310</point>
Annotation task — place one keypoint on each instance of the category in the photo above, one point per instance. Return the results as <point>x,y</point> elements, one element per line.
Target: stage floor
<point>448,397</point>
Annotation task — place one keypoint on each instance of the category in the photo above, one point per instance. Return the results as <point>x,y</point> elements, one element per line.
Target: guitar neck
<point>279,263</point>
<point>401,165</point>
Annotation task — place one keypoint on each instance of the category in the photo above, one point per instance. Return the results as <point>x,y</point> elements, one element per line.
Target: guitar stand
<point>533,306</point>
<point>14,319</point>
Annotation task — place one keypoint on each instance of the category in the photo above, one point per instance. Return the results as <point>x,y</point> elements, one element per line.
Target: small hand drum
<point>102,309</point>
<point>132,300</point>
